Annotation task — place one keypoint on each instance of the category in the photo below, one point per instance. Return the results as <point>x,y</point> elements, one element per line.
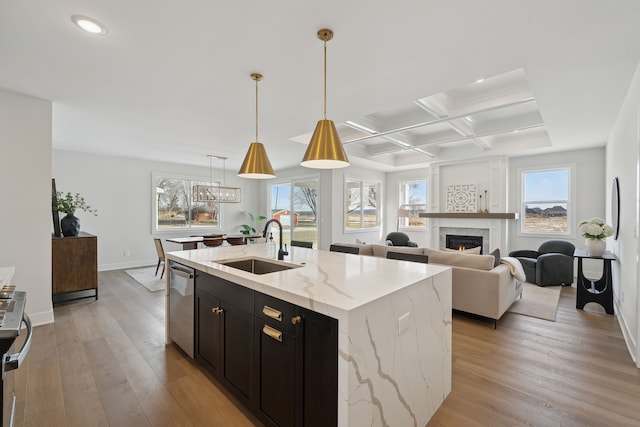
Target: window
<point>183,203</point>
<point>412,201</point>
<point>295,205</point>
<point>361,204</point>
<point>545,201</point>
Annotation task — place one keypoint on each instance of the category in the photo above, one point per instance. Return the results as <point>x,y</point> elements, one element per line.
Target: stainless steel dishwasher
<point>181,303</point>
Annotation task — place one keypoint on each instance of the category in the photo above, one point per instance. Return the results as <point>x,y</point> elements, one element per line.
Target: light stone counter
<point>388,374</point>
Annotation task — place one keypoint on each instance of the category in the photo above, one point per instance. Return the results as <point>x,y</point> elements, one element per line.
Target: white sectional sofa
<point>481,285</point>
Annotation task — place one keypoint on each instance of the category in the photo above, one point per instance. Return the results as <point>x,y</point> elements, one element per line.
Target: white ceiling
<point>170,81</point>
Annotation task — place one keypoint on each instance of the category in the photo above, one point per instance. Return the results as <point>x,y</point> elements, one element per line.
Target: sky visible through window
<point>546,185</point>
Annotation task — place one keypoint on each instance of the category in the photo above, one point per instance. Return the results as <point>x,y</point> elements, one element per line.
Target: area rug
<point>147,278</point>
<point>537,301</point>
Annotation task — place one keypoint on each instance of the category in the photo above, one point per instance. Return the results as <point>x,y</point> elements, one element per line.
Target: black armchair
<point>400,239</point>
<point>551,264</point>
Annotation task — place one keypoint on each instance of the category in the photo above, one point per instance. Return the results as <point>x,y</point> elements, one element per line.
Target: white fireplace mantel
<point>478,215</point>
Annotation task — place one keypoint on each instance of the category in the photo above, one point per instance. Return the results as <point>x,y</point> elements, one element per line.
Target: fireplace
<point>459,242</point>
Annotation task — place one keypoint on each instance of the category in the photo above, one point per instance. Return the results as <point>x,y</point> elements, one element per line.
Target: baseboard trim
<point>629,339</point>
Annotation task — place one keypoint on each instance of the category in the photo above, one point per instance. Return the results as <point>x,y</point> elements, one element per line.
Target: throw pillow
<point>496,254</point>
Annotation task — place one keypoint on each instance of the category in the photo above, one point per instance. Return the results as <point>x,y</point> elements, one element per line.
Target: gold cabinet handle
<point>272,313</point>
<point>217,310</point>
<point>273,333</point>
<point>296,319</point>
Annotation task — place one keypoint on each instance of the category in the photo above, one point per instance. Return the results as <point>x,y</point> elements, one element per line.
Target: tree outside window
<point>545,201</point>
<point>183,203</point>
<point>361,204</point>
<point>413,198</point>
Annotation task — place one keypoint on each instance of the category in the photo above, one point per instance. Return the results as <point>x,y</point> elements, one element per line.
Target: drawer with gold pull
<point>276,313</point>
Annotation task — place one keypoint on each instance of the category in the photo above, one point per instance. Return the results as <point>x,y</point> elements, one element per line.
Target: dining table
<point>191,242</point>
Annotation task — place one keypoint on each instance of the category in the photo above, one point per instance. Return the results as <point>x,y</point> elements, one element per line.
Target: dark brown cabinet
<point>281,359</point>
<point>225,333</point>
<point>279,356</point>
<point>74,266</point>
<point>209,331</point>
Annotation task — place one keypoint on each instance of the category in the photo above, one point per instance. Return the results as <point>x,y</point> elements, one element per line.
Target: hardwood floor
<point>105,363</point>
<point>572,372</point>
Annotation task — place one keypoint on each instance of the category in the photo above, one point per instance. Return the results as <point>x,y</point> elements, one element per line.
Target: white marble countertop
<point>334,280</point>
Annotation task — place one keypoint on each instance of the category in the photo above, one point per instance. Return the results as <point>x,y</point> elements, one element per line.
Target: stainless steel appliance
<point>12,316</point>
<point>181,303</point>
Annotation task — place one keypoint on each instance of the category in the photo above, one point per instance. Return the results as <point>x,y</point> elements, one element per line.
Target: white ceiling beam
<point>442,120</point>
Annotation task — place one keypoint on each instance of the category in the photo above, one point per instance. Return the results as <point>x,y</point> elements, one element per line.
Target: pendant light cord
<point>325,80</point>
<point>256,110</point>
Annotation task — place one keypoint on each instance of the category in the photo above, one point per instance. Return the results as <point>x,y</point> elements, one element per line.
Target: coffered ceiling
<point>170,81</point>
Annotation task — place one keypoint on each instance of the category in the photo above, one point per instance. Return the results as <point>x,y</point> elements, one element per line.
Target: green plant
<point>255,220</point>
<point>68,203</point>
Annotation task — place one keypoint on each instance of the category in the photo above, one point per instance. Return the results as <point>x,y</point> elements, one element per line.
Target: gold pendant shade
<point>256,164</point>
<point>325,150</point>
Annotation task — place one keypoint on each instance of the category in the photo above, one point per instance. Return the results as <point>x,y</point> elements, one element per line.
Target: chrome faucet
<point>281,252</point>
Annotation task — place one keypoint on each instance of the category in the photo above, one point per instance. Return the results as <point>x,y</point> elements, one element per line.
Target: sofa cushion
<point>496,255</point>
<point>478,262</point>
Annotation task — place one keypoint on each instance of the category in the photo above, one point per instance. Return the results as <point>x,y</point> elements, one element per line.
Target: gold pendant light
<point>256,164</point>
<point>325,150</point>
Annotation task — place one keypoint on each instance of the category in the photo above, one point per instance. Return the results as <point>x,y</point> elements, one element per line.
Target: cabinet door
<point>320,369</point>
<point>209,331</point>
<point>238,350</point>
<point>280,375</point>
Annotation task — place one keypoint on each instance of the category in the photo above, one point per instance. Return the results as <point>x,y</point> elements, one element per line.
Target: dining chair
<point>302,244</point>
<point>344,249</point>
<point>403,256</point>
<point>236,240</point>
<point>161,258</point>
<point>212,241</point>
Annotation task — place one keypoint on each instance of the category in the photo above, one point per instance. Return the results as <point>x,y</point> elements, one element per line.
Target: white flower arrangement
<point>596,229</point>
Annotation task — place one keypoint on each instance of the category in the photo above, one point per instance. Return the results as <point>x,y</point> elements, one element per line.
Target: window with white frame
<point>546,201</point>
<point>412,201</point>
<point>184,203</point>
<point>362,204</point>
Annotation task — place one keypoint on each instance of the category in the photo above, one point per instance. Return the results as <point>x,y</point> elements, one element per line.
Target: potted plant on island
<point>68,204</point>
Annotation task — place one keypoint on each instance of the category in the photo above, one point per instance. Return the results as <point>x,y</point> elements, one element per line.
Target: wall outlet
<point>127,252</point>
<point>403,322</point>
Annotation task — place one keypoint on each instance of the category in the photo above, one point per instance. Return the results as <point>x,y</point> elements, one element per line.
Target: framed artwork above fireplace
<point>462,198</point>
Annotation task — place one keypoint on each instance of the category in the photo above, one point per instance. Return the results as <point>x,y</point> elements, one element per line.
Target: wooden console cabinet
<point>74,266</point>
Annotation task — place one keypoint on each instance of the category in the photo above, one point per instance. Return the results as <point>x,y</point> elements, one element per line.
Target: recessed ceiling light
<point>479,80</point>
<point>90,25</point>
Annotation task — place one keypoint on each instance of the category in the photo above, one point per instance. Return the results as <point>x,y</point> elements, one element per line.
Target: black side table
<point>600,291</point>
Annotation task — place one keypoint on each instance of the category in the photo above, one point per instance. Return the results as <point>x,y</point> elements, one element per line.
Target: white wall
<point>25,173</point>
<point>623,161</point>
<point>121,190</point>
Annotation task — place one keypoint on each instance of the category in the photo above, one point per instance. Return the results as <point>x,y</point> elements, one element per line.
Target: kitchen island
<point>393,320</point>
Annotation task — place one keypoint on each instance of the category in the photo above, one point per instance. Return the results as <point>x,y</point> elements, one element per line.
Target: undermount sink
<point>258,265</point>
